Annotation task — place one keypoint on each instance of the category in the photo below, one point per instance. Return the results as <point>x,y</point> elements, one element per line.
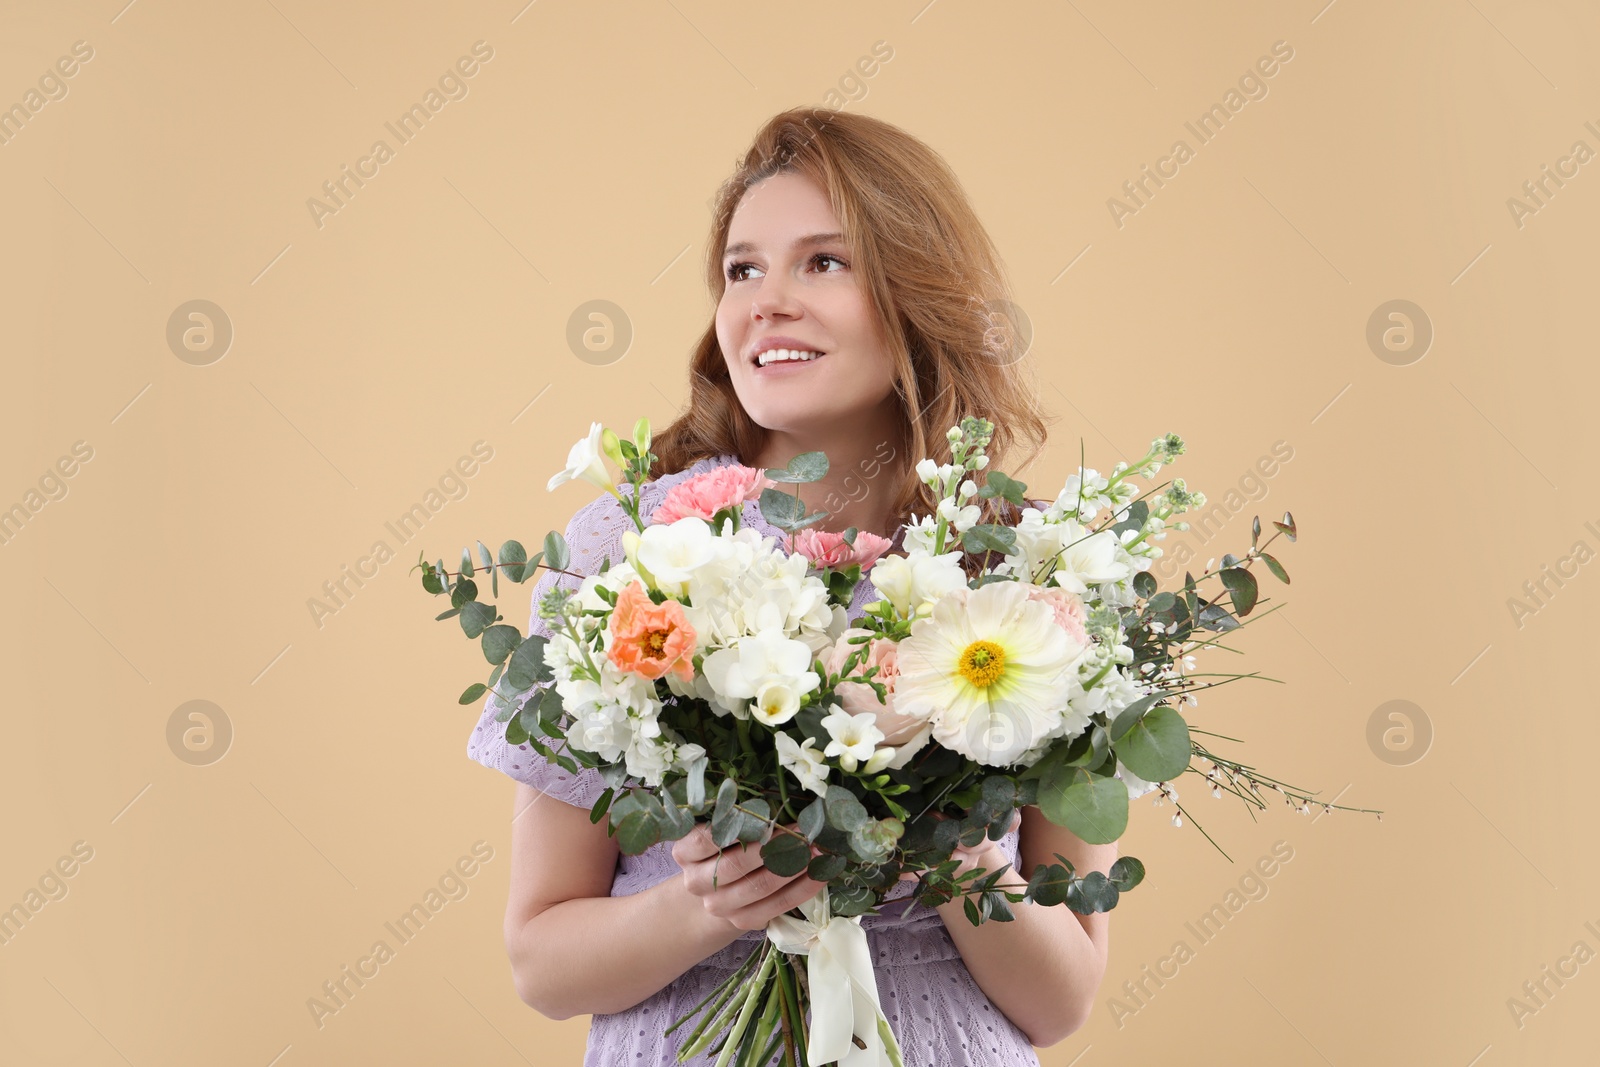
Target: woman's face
<point>788,275</point>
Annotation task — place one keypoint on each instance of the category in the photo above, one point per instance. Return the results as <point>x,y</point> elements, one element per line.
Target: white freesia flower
<point>673,552</point>
<point>586,462</point>
<point>853,737</point>
<point>914,582</point>
<point>776,703</point>
<point>755,664</point>
<point>989,669</point>
<point>804,762</point>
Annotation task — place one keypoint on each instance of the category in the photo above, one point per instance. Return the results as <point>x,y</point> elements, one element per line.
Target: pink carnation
<point>826,549</point>
<point>1068,609</point>
<point>706,494</point>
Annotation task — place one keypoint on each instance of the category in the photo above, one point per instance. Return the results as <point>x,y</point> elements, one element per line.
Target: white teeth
<point>775,355</point>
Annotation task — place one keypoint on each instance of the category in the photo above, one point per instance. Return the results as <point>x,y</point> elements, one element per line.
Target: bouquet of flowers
<point>713,674</point>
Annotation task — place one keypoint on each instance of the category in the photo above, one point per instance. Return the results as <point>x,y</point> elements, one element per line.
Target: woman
<point>843,237</point>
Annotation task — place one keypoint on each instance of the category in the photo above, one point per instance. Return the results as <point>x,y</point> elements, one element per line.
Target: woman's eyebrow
<point>801,242</point>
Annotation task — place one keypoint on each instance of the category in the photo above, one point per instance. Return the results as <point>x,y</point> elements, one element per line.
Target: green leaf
<point>484,557</point>
<point>725,819</point>
<point>826,867</point>
<point>786,854</point>
<point>754,826</point>
<point>851,900</point>
<point>806,467</point>
<point>1130,715</point>
<point>1126,873</point>
<point>675,822</point>
<point>987,537</point>
<point>1138,514</point>
<point>1276,568</point>
<point>466,590</point>
<point>637,832</point>
<point>475,615</point>
<point>1091,806</point>
<point>555,551</point>
<point>1094,751</point>
<point>1255,530</point>
<point>513,558</point>
<point>1241,585</point>
<point>601,805</point>
<point>1091,893</point>
<point>1005,487</point>
<point>515,734</point>
<point>498,641</point>
<point>527,663</point>
<point>779,508</point>
<point>431,582</point>
<point>1144,584</point>
<point>452,613</point>
<point>466,563</point>
<point>1287,526</point>
<point>473,692</point>
<point>1156,748</point>
<point>812,816</point>
<point>845,812</point>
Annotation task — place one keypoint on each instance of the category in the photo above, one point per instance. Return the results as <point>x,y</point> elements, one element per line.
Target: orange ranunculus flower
<point>650,639</point>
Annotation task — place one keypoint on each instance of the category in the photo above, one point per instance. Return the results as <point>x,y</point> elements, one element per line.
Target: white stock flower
<point>853,738</point>
<point>586,462</point>
<point>804,762</point>
<point>914,582</point>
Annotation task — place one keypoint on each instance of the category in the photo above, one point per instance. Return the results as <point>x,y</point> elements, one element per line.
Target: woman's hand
<point>745,893</point>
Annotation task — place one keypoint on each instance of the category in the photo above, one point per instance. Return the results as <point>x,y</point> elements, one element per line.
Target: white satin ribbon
<point>844,992</point>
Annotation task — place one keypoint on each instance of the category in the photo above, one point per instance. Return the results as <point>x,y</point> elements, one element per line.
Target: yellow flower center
<point>655,642</point>
<point>982,663</point>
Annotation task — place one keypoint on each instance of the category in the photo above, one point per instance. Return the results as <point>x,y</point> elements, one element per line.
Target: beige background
<point>430,312</point>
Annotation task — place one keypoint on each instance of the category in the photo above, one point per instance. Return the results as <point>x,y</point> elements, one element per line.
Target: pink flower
<point>706,494</point>
<point>1068,608</point>
<point>825,549</point>
<point>859,698</point>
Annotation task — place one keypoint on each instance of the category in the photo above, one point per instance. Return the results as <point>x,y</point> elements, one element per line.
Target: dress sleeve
<point>593,535</point>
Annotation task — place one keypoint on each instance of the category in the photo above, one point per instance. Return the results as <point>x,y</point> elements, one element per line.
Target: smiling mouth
<point>785,357</point>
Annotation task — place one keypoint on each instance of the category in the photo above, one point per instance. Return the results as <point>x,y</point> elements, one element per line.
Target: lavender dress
<point>939,1015</point>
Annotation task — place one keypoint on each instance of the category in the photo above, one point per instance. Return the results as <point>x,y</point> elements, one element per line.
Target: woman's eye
<point>735,269</point>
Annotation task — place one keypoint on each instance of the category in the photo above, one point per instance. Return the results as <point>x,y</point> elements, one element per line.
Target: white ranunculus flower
<point>853,738</point>
<point>586,462</point>
<point>804,762</point>
<point>769,657</point>
<point>672,552</point>
<point>914,582</point>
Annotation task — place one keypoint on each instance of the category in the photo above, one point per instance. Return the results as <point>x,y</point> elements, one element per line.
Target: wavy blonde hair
<point>932,277</point>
